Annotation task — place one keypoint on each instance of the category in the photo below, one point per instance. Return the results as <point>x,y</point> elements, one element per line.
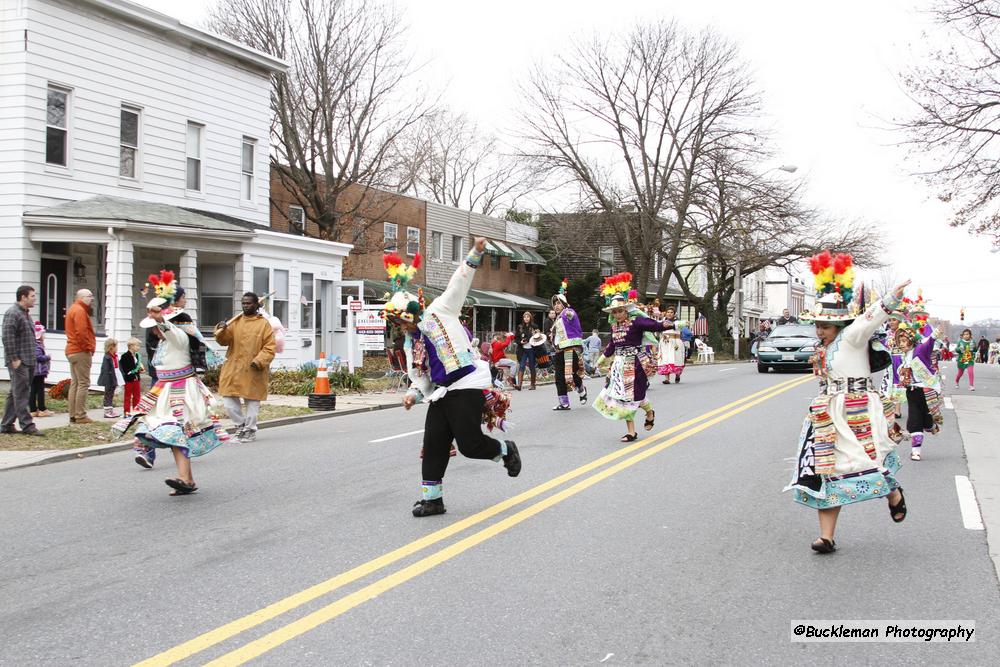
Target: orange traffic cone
<point>322,385</point>
<point>322,398</point>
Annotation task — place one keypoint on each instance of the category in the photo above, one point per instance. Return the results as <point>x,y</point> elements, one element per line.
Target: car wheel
<point>762,368</point>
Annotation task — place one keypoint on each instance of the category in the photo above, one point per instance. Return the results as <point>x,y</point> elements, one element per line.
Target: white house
<point>130,142</point>
<point>785,290</point>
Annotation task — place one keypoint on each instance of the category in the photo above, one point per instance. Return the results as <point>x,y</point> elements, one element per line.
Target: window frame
<point>200,158</point>
<point>437,246</point>
<point>68,92</point>
<point>457,246</point>
<point>251,198</point>
<point>136,176</point>
<point>301,228</point>
<point>205,295</point>
<point>606,267</point>
<point>275,300</point>
<point>385,237</point>
<point>410,240</point>
<point>307,306</point>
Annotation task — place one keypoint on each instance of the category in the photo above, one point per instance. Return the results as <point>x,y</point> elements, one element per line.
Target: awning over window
<point>498,248</point>
<point>530,255</point>
<point>490,299</point>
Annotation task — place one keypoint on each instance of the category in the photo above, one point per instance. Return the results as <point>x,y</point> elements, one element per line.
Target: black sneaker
<point>512,461</point>
<point>429,507</point>
<point>142,460</point>
<point>583,396</point>
<point>561,407</point>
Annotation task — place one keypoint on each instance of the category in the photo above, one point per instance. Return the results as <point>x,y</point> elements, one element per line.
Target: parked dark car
<point>787,346</point>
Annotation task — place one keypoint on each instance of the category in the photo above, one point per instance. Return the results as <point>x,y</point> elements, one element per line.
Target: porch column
<point>189,281</point>
<point>244,275</point>
<point>119,262</point>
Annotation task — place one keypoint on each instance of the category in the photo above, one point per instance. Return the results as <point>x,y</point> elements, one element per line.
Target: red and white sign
<point>355,305</point>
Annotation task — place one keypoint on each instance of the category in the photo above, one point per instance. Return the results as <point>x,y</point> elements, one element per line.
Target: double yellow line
<point>296,628</point>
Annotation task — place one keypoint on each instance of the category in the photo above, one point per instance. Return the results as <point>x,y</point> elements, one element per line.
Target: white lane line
<point>971,518</point>
<point>726,370</point>
<point>948,404</point>
<point>393,437</point>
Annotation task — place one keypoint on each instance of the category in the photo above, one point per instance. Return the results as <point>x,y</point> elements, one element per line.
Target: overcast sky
<point>830,81</point>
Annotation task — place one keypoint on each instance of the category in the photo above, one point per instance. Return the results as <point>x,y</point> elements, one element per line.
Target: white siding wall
<point>106,63</point>
<point>19,261</point>
<point>450,222</point>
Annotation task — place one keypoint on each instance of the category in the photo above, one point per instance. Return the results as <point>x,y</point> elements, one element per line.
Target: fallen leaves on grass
<point>65,437</point>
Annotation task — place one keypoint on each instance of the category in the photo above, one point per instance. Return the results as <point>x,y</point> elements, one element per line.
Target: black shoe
<point>583,396</point>
<point>33,431</point>
<point>561,407</point>
<point>512,462</point>
<point>429,507</point>
<point>8,430</point>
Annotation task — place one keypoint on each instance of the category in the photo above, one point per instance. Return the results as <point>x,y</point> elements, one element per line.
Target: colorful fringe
<point>856,409</point>
<point>667,369</point>
<point>495,409</point>
<point>934,407</point>
<point>824,433</point>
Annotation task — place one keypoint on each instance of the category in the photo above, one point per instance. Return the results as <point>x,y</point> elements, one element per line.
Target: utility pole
<point>737,310</point>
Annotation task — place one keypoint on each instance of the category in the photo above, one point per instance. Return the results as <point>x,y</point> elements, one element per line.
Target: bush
<point>60,390</point>
<point>302,381</point>
<point>211,378</point>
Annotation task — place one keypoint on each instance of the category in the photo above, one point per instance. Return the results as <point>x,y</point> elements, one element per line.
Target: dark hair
<point>23,291</point>
<point>178,293</point>
<point>964,331</point>
<point>252,295</point>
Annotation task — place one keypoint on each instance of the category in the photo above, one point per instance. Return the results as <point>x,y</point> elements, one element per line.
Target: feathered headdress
<point>561,294</point>
<point>833,279</point>
<point>914,317</point>
<point>165,291</point>
<point>163,285</point>
<point>617,291</point>
<point>401,303</point>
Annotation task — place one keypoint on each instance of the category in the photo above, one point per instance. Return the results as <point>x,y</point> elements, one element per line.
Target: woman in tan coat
<point>245,374</point>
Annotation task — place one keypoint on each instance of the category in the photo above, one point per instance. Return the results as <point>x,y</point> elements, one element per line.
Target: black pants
<point>459,417</point>
<point>109,395</point>
<point>36,399</point>
<point>918,415</point>
<point>560,364</point>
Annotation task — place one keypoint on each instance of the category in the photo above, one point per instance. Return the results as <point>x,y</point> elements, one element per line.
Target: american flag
<point>701,326</point>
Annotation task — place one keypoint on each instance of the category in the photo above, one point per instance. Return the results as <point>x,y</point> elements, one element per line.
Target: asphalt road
<point>300,549</point>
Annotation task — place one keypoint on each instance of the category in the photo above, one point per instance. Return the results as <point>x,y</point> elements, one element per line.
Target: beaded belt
<point>175,374</point>
<point>630,350</point>
<point>849,385</point>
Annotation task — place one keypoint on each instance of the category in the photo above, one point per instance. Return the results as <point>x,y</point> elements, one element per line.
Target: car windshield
<point>793,331</point>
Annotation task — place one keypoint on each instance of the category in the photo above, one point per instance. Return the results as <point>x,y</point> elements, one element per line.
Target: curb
<point>110,448</point>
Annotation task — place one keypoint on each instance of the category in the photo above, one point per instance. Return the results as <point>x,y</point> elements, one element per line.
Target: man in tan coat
<point>245,373</point>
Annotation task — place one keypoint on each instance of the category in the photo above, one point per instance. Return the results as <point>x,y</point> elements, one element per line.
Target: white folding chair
<point>705,352</point>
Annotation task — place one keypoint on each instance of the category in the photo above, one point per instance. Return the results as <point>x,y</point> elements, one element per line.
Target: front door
<point>54,290</point>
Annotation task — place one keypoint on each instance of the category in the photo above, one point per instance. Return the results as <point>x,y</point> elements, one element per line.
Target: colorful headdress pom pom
<point>399,273</point>
<point>564,285</point>
<point>164,285</point>
<point>833,274</point>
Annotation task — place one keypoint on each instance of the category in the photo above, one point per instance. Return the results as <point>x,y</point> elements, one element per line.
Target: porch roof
<point>103,210</point>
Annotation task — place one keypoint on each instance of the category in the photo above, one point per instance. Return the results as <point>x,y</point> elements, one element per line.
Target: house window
<point>412,241</point>
<point>247,181</point>
<point>306,301</point>
<point>218,284</point>
<point>128,143</point>
<point>195,138</point>
<point>495,262</point>
<point>261,280</point>
<point>56,126</point>
<point>437,245</point>
<point>279,302</point>
<point>606,259</point>
<point>529,268</point>
<point>513,265</point>
<point>297,220</point>
<point>456,248</point>
<point>389,236</point>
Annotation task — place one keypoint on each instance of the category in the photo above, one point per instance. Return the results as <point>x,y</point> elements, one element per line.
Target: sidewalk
<point>347,404</point>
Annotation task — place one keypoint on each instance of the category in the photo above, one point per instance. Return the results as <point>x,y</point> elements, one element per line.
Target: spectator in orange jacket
<point>80,347</point>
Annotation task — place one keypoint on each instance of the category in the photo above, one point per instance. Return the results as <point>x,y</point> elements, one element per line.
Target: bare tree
<point>957,128</point>
<point>447,159</point>
<point>340,108</point>
<point>627,120</point>
<point>743,222</point>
